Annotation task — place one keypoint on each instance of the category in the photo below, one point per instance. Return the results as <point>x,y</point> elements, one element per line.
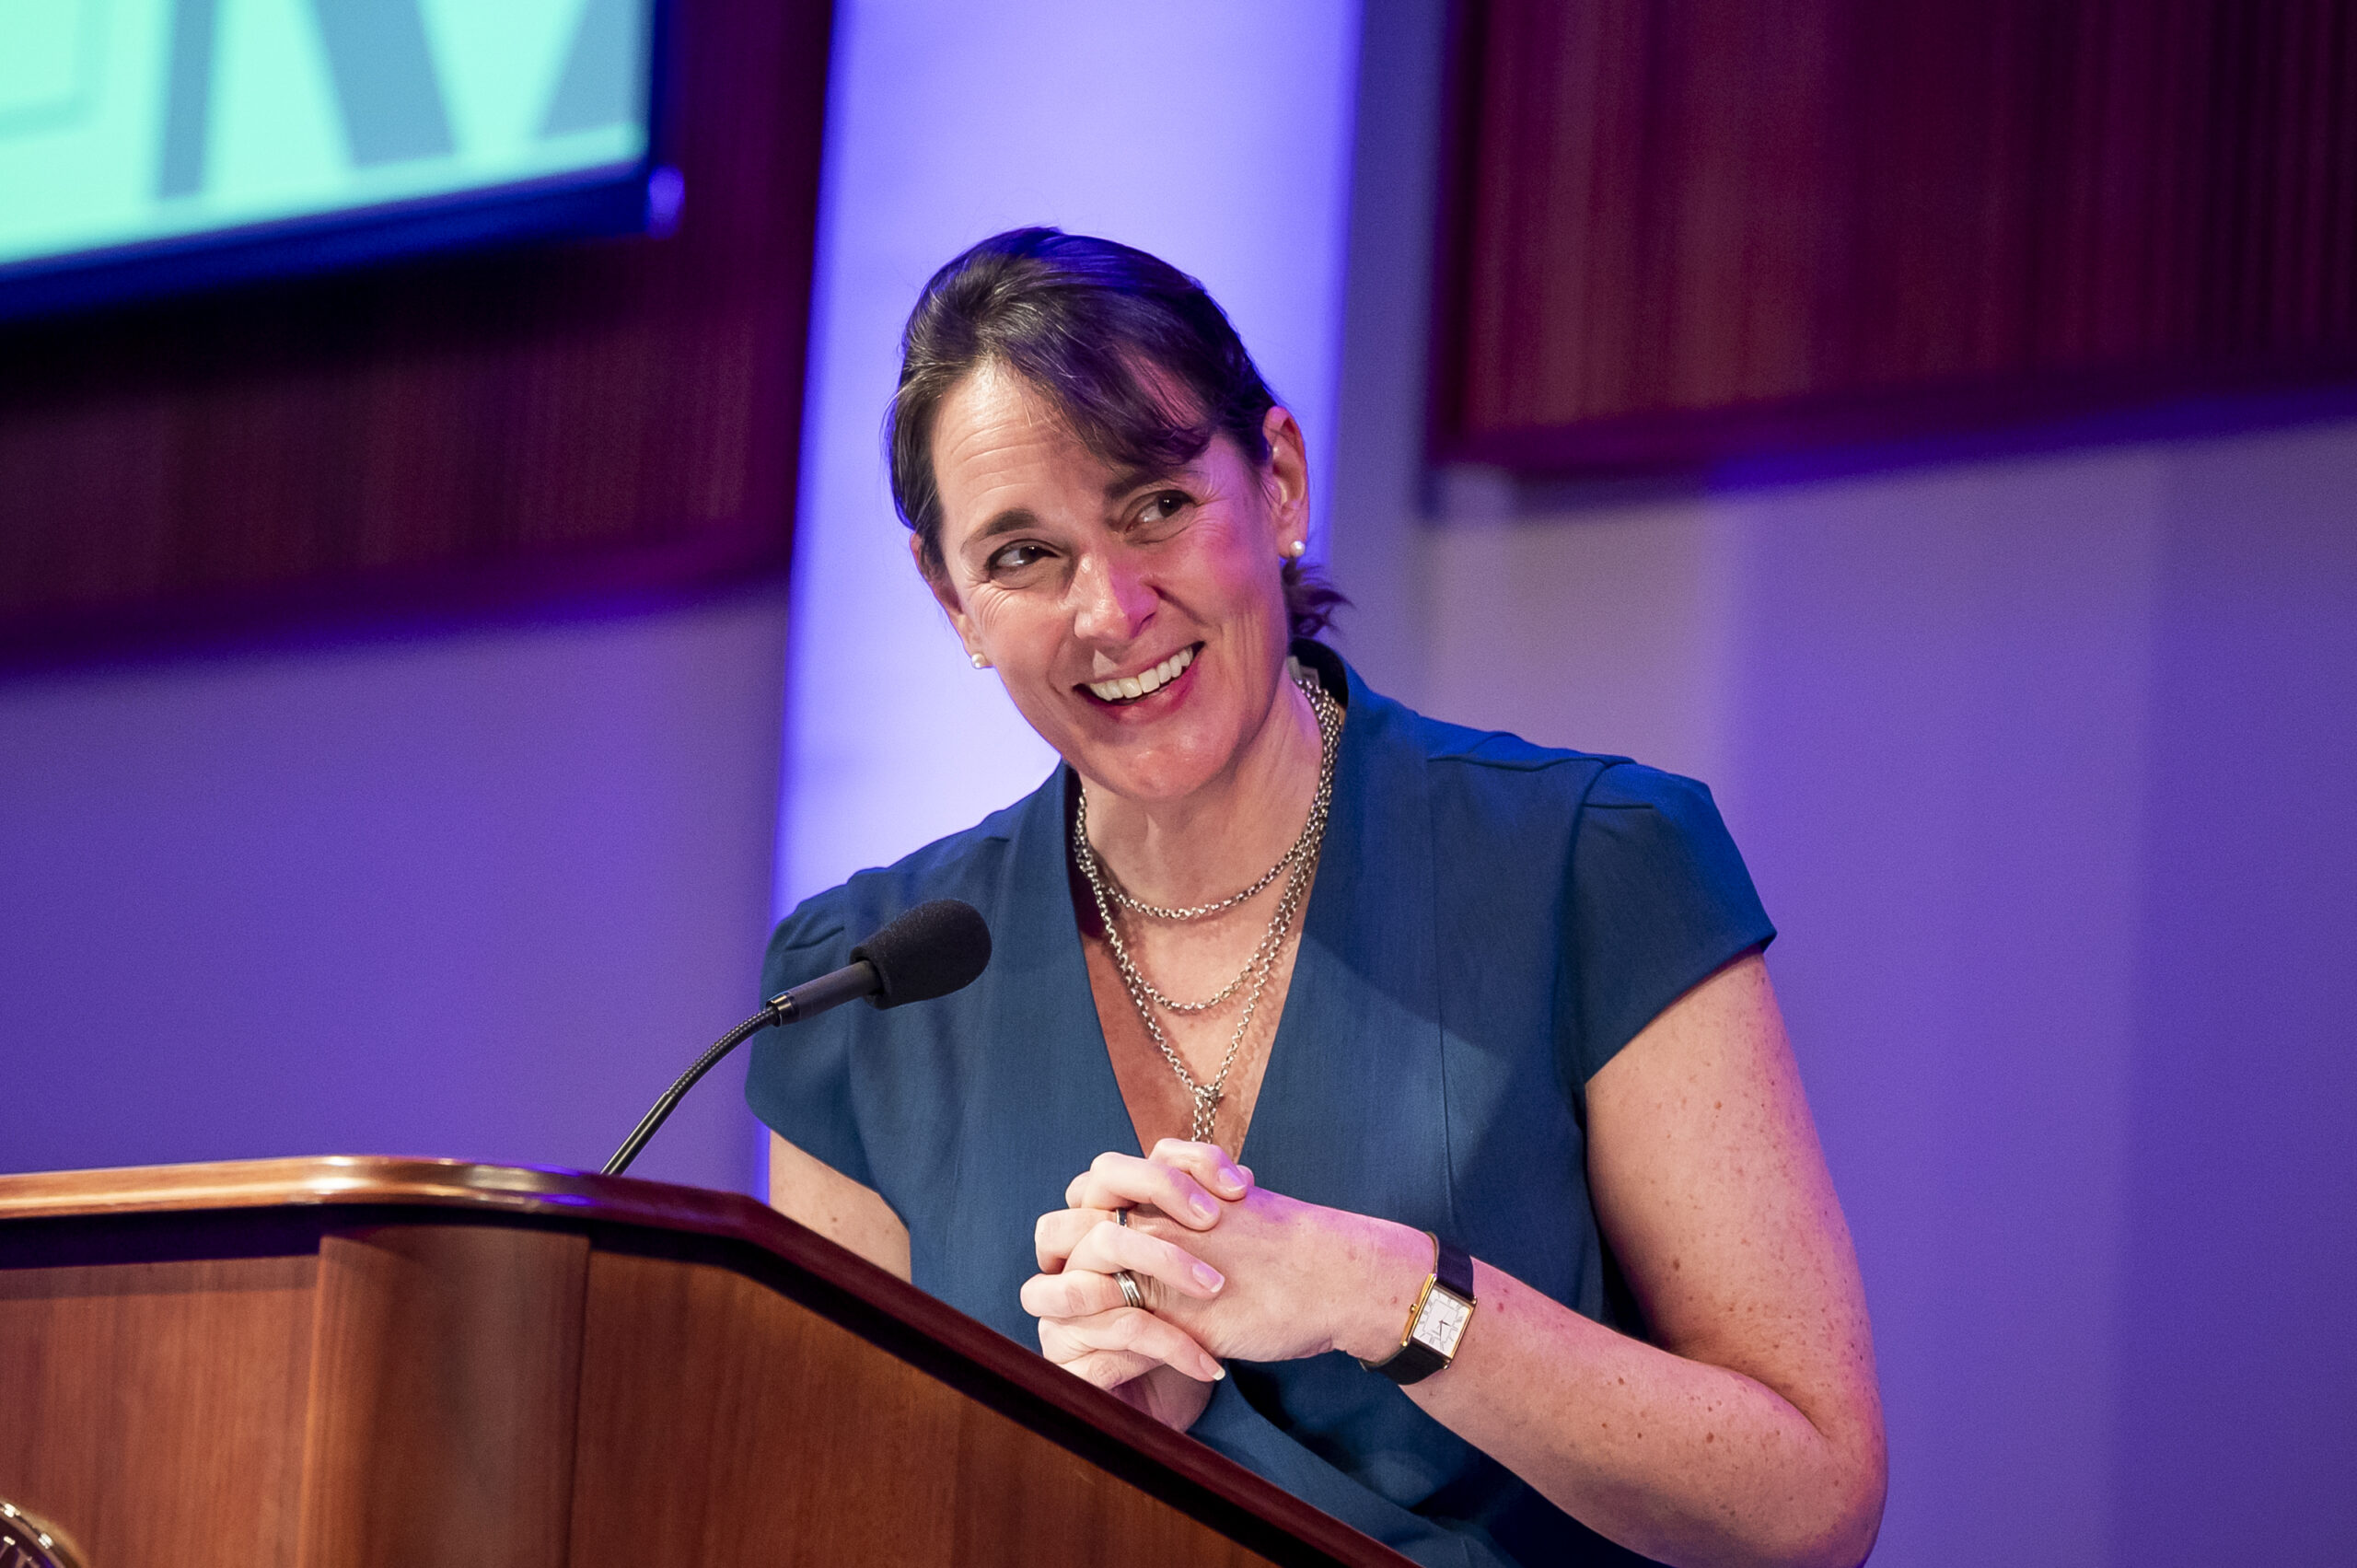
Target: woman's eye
<point>1016,557</point>
<point>1166,505</point>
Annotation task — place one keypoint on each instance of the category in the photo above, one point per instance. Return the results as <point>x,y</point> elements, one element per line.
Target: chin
<point>1167,760</point>
<point>1158,771</point>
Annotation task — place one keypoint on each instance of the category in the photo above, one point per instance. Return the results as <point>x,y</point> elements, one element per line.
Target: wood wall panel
<point>1677,231</point>
<point>473,430</point>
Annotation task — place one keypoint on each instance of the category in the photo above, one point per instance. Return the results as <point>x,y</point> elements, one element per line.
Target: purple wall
<point>1934,756</point>
<point>2046,768</point>
<point>478,894</point>
<point>2236,1430</point>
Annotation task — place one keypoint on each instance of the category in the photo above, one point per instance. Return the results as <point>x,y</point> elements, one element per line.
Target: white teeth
<point>1129,687</point>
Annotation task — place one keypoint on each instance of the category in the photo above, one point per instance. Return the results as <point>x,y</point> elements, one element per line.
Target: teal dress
<point>1491,923</point>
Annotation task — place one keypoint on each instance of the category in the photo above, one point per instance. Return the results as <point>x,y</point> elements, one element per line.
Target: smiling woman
<point>1537,1259</point>
<point>1083,584</point>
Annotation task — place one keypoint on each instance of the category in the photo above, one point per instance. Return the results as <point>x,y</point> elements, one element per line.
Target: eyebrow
<point>1122,484</point>
<point>1015,519</point>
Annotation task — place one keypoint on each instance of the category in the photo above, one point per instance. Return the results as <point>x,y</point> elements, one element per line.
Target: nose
<point>1112,602</point>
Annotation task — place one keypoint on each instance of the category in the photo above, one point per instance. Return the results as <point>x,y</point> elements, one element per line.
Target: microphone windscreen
<point>932,951</point>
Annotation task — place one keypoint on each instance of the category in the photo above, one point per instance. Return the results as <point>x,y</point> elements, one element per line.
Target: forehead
<point>1004,456</point>
<point>993,427</point>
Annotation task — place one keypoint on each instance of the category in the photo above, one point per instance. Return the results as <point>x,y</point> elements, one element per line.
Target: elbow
<point>1852,1477</point>
<point>1841,1532</point>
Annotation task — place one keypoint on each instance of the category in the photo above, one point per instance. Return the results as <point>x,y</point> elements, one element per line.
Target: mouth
<point>1131,689</point>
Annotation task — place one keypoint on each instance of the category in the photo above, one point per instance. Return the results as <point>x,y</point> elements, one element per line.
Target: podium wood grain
<point>183,1382</point>
<point>445,1365</point>
<point>363,1362</point>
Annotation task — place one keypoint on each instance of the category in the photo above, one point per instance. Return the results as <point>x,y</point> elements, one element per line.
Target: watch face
<point>1442,1322</point>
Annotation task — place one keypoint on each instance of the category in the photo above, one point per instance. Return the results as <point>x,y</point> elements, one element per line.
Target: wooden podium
<point>341,1363</point>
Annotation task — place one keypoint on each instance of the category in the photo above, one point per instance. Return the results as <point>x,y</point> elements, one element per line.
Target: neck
<point>1201,847</point>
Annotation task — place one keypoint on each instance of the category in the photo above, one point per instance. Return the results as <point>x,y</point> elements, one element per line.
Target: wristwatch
<point>1437,1323</point>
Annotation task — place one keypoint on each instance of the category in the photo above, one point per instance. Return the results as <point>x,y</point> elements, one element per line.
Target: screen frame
<point>638,197</point>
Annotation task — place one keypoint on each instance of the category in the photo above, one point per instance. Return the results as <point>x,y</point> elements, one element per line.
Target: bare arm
<point>1749,1434</point>
<point>805,1188</point>
<point>1754,1433</point>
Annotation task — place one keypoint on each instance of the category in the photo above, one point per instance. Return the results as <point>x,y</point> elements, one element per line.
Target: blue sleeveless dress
<point>1491,923</point>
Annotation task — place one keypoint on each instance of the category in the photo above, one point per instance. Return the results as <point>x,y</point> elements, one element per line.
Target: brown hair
<point>1076,317</point>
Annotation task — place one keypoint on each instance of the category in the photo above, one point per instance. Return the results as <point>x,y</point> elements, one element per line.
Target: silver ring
<point>1123,1277</point>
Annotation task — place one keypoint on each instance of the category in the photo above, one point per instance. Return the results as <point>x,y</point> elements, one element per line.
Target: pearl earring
<point>980,662</point>
<point>1297,549</point>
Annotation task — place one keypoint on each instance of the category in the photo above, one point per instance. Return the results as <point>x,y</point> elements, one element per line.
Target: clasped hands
<point>1225,1269</point>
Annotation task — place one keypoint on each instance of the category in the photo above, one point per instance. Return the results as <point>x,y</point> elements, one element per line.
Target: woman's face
<point>1085,585</point>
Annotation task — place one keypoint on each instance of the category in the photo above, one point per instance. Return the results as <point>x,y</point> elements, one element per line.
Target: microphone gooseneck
<point>930,951</point>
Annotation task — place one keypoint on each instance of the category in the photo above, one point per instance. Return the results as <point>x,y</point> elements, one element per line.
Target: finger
<point>1057,1232</point>
<point>1108,1247</point>
<point>1105,1368</point>
<point>1137,1332</point>
<point>1125,1181</point>
<point>1094,1240</point>
<point>1078,1292</point>
<point>1109,1369</point>
<point>1208,1164</point>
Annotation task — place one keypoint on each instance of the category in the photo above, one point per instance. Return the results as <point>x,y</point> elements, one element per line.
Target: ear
<point>1287,477</point>
<point>945,594</point>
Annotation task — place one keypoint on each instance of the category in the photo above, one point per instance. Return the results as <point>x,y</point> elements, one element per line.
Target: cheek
<point>1249,574</point>
<point>1231,555</point>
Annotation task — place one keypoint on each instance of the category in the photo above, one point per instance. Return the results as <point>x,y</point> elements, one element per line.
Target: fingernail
<point>1201,1208</point>
<point>1218,1372</point>
<point>1209,1277</point>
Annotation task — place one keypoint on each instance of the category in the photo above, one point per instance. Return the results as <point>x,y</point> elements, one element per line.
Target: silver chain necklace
<point>1301,860</point>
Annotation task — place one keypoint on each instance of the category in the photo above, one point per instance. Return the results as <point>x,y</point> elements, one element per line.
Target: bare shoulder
<point>1711,1185</point>
<point>807,1189</point>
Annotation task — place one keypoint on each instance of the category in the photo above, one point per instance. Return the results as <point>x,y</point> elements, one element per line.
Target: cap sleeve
<point>1659,901</point>
<point>799,1081</point>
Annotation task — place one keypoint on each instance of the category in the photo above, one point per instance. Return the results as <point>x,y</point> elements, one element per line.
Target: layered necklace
<point>1297,865</point>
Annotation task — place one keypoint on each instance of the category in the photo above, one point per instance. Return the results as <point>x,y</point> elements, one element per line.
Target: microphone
<point>930,951</point>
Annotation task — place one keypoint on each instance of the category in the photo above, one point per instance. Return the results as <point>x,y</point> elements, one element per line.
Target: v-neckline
<point>1358,1044</point>
<point>1108,1107</point>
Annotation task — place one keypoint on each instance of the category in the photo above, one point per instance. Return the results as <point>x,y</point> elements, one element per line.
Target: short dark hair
<point>1077,318</point>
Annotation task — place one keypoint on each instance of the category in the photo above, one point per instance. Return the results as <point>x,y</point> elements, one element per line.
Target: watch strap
<point>1414,1360</point>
